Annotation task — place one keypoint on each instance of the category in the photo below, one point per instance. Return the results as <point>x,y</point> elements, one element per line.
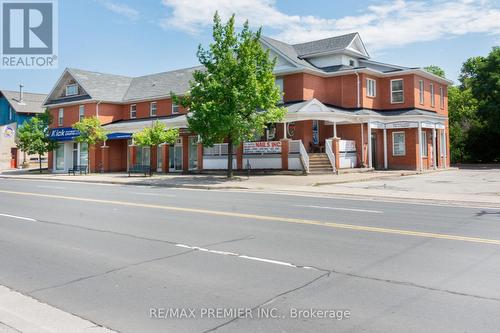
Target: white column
<point>434,150</point>
<point>362,145</point>
<point>445,151</point>
<point>420,160</point>
<point>284,130</point>
<point>369,130</point>
<point>334,129</point>
<point>385,149</point>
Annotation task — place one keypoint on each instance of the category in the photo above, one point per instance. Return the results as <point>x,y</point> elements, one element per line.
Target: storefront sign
<point>116,136</point>
<point>262,147</point>
<point>8,132</point>
<point>347,146</point>
<point>63,134</point>
<point>377,125</point>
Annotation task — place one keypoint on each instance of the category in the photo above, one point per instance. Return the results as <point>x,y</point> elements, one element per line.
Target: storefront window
<point>398,144</point>
<point>159,158</point>
<point>424,145</point>
<point>84,154</point>
<point>60,156</point>
<point>193,152</point>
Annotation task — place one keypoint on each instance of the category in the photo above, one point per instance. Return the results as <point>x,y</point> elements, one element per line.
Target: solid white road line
<point>341,208</point>
<point>269,261</point>
<point>52,187</point>
<point>18,217</point>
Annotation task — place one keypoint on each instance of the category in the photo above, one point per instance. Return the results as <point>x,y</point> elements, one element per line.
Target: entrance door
<point>175,156</point>
<point>13,158</point>
<point>374,150</point>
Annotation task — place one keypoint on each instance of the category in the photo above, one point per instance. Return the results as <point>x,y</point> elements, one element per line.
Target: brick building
<point>344,111</point>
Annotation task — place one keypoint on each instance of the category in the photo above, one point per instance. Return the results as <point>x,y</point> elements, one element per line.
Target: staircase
<point>319,163</point>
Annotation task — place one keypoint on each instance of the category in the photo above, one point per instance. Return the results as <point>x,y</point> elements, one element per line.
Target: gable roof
<point>31,102</point>
<point>101,86</point>
<point>331,44</point>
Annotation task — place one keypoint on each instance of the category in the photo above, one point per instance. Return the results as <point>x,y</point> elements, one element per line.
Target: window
<point>397,91</point>
<point>175,107</point>
<point>133,111</point>
<point>424,148</point>
<point>59,156</point>
<point>442,147</point>
<point>71,89</point>
<point>60,118</point>
<point>421,91</point>
<point>371,88</point>
<point>441,97</point>
<point>398,144</point>
<point>279,83</point>
<point>81,112</point>
<point>351,63</point>
<point>152,109</point>
<point>433,98</point>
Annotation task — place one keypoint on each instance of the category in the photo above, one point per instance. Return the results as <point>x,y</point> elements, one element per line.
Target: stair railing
<point>329,153</point>
<point>304,157</point>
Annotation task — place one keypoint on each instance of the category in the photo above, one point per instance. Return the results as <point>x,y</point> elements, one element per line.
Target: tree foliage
<point>91,132</point>
<point>474,110</point>
<point>156,135</point>
<point>236,96</point>
<point>436,70</point>
<point>33,136</point>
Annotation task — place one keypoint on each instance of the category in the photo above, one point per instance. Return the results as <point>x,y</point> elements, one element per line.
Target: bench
<point>139,168</point>
<point>78,168</point>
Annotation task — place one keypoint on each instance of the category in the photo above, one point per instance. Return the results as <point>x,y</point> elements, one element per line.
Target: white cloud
<point>120,9</point>
<point>388,24</point>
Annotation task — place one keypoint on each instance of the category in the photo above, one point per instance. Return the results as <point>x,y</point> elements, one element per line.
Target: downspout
<point>357,86</point>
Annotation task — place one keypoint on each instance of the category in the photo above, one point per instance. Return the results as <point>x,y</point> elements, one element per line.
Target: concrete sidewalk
<point>451,186</point>
<point>20,313</point>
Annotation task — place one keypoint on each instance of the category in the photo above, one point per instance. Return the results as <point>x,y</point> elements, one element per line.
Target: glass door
<point>60,156</point>
<point>178,158</point>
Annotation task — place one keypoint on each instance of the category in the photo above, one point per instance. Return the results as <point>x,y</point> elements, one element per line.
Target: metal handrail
<point>304,157</point>
<point>329,153</point>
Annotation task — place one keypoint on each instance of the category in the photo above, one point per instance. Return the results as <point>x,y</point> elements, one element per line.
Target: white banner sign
<point>262,147</point>
<point>402,124</point>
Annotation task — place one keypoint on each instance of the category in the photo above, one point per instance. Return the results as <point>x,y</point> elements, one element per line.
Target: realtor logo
<point>29,34</point>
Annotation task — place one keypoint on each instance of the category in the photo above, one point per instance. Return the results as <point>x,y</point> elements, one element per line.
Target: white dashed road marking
<point>18,217</point>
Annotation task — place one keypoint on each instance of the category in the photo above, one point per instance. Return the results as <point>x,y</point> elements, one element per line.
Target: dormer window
<point>351,63</point>
<point>71,89</point>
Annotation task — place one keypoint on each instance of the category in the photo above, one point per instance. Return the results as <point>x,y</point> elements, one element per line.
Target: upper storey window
<point>371,88</point>
<point>433,97</point>
<point>397,94</point>
<point>71,89</point>
<point>279,83</point>
<point>421,91</point>
<point>175,108</point>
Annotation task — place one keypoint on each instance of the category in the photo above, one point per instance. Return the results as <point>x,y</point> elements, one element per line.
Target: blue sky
<point>134,37</point>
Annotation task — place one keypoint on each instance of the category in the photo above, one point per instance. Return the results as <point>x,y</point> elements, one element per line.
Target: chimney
<point>21,92</point>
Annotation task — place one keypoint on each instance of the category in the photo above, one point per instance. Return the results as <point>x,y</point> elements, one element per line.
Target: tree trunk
<point>40,162</point>
<point>230,158</point>
<point>151,161</point>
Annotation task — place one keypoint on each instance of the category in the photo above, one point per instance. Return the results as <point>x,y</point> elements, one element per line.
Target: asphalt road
<point>128,257</point>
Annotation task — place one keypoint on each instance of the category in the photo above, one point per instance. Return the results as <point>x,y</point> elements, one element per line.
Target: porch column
<point>362,146</point>
<point>369,130</point>
<point>434,150</point>
<point>105,157</point>
<point>334,129</point>
<point>284,130</point>
<point>385,149</point>
<point>153,158</point>
<point>420,162</point>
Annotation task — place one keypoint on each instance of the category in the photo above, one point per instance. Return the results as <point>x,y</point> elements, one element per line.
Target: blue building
<point>16,107</point>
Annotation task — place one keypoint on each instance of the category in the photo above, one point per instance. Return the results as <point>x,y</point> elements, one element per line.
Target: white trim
<point>404,144</point>
<point>385,149</point>
<point>397,91</point>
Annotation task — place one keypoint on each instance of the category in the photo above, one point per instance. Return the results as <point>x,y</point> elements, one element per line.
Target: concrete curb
<point>20,313</point>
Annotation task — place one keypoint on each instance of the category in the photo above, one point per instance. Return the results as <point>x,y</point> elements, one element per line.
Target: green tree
<point>462,109</point>
<point>155,135</point>
<point>436,70</point>
<point>91,133</point>
<point>33,136</point>
<point>236,96</point>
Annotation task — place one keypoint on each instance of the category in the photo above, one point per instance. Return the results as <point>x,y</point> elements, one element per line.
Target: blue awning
<point>63,134</point>
<point>116,136</point>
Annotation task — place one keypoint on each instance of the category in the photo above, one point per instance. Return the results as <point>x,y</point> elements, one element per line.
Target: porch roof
<point>136,125</point>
